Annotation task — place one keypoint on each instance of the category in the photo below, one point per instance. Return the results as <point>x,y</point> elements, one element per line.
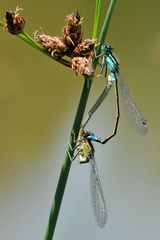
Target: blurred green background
<point>38,102</point>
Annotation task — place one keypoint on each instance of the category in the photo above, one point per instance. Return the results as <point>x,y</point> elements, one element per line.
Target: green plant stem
<point>105,26</point>
<point>98,18</point>
<point>2,24</point>
<point>75,129</point>
<point>67,162</point>
<point>25,37</point>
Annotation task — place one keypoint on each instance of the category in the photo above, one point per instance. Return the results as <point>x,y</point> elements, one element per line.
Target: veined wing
<point>134,114</point>
<point>97,197</point>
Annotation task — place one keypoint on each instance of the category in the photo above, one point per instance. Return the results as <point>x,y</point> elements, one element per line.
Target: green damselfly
<point>85,153</point>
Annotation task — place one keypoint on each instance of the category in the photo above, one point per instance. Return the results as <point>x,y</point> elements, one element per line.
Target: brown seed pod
<point>85,48</point>
<point>72,32</point>
<point>14,22</point>
<point>54,45</point>
<point>83,66</point>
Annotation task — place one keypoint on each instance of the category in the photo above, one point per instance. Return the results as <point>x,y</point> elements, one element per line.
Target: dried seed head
<point>85,48</point>
<point>82,66</point>
<point>72,32</point>
<point>14,22</point>
<point>59,48</point>
<point>54,45</point>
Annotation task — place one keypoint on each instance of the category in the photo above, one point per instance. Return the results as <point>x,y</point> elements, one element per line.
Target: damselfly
<point>84,146</point>
<point>133,112</point>
<point>85,152</point>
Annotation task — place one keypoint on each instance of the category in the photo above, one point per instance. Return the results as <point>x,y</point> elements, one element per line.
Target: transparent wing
<point>99,101</point>
<point>134,114</point>
<point>97,197</point>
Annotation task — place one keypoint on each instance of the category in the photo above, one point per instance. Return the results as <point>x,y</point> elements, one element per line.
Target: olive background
<point>38,102</point>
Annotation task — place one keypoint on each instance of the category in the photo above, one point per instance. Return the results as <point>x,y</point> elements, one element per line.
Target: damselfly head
<point>106,48</point>
<point>89,136</point>
<point>84,147</point>
<point>84,134</point>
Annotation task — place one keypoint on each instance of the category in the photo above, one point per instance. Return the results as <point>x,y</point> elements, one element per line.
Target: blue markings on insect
<point>110,60</point>
<point>112,63</point>
<point>94,138</point>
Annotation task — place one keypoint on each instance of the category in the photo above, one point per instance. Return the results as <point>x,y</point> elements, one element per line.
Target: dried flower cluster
<point>72,32</point>
<point>82,65</point>
<point>54,45</point>
<point>70,44</point>
<point>14,22</point>
<point>82,61</point>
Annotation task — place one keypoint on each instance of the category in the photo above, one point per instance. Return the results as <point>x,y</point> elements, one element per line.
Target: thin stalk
<point>98,18</point>
<point>105,26</point>
<point>74,133</point>
<point>25,37</point>
<point>67,163</point>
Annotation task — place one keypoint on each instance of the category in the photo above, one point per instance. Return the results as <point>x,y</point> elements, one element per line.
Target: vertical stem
<point>67,162</point>
<point>106,23</point>
<point>98,18</point>
<point>76,127</point>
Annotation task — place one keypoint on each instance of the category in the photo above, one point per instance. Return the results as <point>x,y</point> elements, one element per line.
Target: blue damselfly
<point>133,112</point>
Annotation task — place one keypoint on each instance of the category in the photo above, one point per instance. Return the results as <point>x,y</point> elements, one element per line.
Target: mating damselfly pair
<point>84,146</point>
